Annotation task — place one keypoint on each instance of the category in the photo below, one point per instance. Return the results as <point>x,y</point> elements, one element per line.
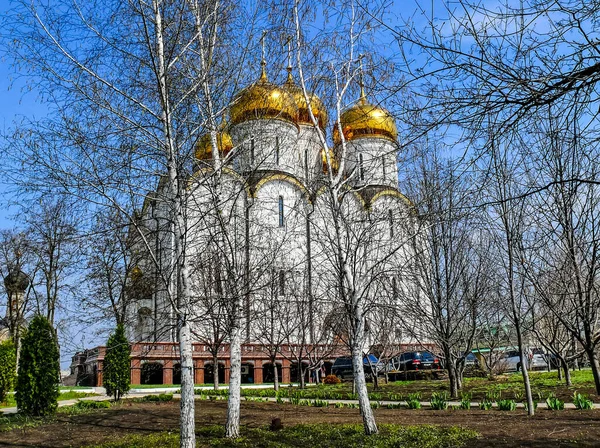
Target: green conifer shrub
<point>8,367</point>
<point>117,364</point>
<point>39,370</point>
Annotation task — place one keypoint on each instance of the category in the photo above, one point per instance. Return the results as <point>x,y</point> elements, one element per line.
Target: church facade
<point>263,226</point>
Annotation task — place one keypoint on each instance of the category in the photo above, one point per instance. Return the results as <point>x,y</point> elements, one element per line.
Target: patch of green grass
<point>19,421</point>
<point>73,395</point>
<point>68,388</point>
<point>161,386</point>
<point>84,407</point>
<point>154,398</point>
<point>11,402</point>
<point>333,436</point>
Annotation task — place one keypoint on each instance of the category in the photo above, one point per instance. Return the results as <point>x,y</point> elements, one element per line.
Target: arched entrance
<point>177,373</point>
<point>295,372</point>
<point>152,373</point>
<point>208,373</point>
<point>328,365</point>
<point>269,374</point>
<point>247,373</point>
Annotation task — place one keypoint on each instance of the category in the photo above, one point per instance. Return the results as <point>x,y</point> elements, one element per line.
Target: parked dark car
<point>414,361</point>
<point>342,367</point>
<point>471,360</point>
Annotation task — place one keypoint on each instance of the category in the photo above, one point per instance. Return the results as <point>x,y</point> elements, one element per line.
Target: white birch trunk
<point>361,388</point>
<point>232,425</point>
<point>187,423</point>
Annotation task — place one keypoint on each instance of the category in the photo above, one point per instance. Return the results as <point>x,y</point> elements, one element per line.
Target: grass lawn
<point>504,386</point>
<point>334,436</point>
<point>11,402</point>
<point>141,423</point>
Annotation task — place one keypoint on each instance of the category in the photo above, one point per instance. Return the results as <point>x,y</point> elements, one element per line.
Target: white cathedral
<point>263,225</point>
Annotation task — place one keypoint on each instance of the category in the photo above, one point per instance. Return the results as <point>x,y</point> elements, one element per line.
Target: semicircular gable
<point>347,190</point>
<point>393,193</point>
<point>226,171</point>
<point>284,178</point>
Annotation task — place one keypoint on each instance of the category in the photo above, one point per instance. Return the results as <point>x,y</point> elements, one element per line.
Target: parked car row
<point>415,361</point>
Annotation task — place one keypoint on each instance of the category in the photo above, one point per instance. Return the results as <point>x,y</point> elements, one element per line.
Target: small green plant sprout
<point>465,401</point>
<point>518,395</point>
<point>493,395</point>
<point>582,402</point>
<point>394,406</point>
<point>339,405</point>
<point>319,403</point>
<point>485,404</point>
<point>414,401</point>
<point>554,403</point>
<point>507,405</point>
<point>439,401</point>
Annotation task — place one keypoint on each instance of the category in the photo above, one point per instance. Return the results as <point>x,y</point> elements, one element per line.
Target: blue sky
<point>15,102</point>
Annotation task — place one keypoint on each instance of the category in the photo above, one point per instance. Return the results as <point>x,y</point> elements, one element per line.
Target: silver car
<point>534,360</point>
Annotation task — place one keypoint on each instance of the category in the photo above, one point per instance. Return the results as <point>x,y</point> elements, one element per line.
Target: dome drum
<point>268,145</point>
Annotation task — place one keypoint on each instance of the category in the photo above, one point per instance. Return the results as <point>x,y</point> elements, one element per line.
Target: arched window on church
<point>391,222</point>
<point>383,166</point>
<point>361,167</point>
<point>276,150</point>
<point>252,150</point>
<point>281,221</point>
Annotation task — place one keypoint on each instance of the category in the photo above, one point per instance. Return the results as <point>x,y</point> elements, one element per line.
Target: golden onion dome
<point>204,146</point>
<point>136,273</point>
<point>335,165</point>
<point>317,106</point>
<point>365,120</point>
<point>263,100</point>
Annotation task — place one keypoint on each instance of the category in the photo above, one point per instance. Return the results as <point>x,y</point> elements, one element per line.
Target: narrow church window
<point>391,221</point>
<point>252,150</point>
<point>281,289</point>
<point>281,222</point>
<point>361,168</point>
<point>276,150</point>
<point>394,287</point>
<point>383,165</point>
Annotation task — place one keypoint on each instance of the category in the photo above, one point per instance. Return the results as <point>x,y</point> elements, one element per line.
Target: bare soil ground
<point>497,428</point>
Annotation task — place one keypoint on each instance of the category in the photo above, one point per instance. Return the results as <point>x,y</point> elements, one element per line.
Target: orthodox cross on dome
<point>361,81</point>
<point>263,62</point>
<point>289,66</point>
